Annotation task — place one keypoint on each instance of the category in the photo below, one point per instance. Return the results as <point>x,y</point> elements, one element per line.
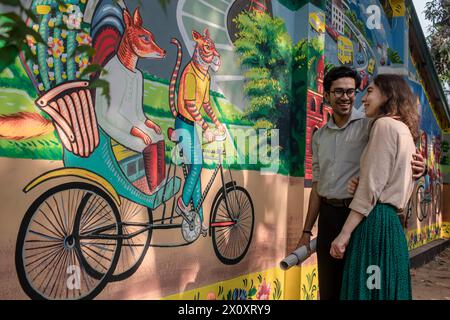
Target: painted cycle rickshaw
<point>77,236</point>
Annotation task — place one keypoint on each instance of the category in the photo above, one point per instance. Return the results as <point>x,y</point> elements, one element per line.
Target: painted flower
<point>57,46</point>
<point>64,57</point>
<point>50,62</point>
<point>83,38</point>
<point>64,75</point>
<point>41,87</point>
<point>263,291</point>
<point>51,76</point>
<point>31,42</point>
<point>64,33</point>
<point>211,296</point>
<point>36,27</point>
<point>51,22</point>
<point>74,17</point>
<point>239,294</point>
<point>83,63</point>
<point>35,69</point>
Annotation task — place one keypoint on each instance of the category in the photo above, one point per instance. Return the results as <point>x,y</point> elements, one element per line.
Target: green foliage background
<point>277,80</point>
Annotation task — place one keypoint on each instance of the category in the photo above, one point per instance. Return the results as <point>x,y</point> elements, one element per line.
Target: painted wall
<point>85,182</point>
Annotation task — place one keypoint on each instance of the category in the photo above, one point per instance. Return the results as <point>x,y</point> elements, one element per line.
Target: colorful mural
<point>183,182</point>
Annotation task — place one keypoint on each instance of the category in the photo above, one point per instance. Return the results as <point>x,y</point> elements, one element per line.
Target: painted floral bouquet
<point>56,70</point>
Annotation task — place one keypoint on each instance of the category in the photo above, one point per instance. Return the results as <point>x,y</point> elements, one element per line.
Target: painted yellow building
<point>345,50</point>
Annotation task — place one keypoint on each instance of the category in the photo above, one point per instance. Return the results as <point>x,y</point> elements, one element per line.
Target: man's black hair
<point>340,72</point>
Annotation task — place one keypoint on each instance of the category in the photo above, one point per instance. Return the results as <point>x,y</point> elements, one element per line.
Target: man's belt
<point>341,203</point>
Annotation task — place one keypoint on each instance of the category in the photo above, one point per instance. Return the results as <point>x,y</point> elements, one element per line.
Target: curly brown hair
<point>401,103</point>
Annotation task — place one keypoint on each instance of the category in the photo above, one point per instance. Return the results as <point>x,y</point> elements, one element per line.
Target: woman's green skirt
<point>377,259</point>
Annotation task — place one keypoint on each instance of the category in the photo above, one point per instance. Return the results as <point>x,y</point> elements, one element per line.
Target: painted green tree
<point>393,56</point>
<point>358,24</point>
<point>306,55</point>
<point>265,51</point>
<point>278,75</point>
<point>298,109</point>
<point>315,51</point>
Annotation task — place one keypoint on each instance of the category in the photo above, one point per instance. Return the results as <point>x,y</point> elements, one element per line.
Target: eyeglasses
<point>339,92</point>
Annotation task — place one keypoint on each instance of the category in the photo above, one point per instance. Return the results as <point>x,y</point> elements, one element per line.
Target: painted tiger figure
<point>193,94</point>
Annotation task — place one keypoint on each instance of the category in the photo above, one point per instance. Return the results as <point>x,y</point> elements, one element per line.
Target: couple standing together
<point>364,168</point>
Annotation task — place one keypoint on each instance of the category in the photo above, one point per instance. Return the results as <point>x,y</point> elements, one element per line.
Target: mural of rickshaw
<point>79,235</point>
<point>426,199</point>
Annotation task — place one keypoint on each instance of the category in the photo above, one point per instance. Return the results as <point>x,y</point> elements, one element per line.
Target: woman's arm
<point>341,242</point>
<point>376,166</point>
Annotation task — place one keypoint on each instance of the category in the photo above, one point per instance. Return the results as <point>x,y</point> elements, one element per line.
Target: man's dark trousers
<point>331,221</point>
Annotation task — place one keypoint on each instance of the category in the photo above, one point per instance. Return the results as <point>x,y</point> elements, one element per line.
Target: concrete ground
<point>432,280</point>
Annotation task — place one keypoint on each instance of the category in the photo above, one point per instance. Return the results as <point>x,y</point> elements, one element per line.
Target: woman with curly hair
<point>373,240</point>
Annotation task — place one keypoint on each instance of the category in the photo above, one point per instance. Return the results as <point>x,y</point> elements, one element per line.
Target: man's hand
<point>135,131</point>
<point>150,124</point>
<point>339,245</point>
<point>418,165</point>
<point>352,185</point>
<point>304,241</point>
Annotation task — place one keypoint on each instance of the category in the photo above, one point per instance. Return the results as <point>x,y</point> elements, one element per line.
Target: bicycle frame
<point>160,223</point>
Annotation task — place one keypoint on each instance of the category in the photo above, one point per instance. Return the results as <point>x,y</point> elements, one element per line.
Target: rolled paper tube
<point>298,256</point>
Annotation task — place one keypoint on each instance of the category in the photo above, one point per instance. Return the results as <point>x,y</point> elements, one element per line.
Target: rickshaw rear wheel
<point>51,259</point>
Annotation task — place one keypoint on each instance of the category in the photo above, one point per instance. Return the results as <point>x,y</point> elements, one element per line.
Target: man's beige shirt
<point>336,154</point>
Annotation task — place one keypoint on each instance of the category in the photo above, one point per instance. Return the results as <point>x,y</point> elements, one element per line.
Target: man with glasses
<point>337,148</point>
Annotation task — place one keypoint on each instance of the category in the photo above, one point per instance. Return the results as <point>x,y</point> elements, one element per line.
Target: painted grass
<point>15,100</point>
<point>46,147</point>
